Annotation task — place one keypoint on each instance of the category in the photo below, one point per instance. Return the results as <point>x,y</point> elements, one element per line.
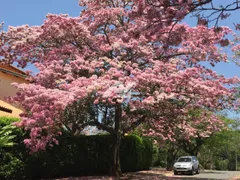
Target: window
<point>185,160</point>
<point>5,109</point>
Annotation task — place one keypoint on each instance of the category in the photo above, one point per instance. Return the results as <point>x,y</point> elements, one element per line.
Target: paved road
<point>159,174</point>
<point>210,175</point>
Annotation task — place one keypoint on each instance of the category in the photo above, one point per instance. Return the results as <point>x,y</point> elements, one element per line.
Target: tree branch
<point>135,124</point>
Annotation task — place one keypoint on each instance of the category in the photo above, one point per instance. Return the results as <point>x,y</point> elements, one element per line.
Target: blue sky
<point>33,12</point>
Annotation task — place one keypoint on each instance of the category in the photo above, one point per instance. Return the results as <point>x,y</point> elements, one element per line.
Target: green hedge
<point>74,156</point>
<point>136,153</point>
<point>159,157</point>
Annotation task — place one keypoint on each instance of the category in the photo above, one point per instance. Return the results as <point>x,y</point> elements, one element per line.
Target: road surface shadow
<point>152,176</point>
<point>136,176</point>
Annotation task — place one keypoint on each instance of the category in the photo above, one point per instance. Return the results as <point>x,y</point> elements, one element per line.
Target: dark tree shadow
<point>154,174</point>
<point>136,176</point>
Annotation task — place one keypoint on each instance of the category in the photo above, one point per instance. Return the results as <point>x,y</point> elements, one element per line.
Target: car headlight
<point>188,166</point>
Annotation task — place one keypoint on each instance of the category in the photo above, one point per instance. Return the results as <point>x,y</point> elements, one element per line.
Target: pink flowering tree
<point>236,49</point>
<point>116,66</point>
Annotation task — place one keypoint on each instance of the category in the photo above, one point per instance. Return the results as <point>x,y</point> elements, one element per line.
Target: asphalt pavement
<point>161,174</point>
<point>211,175</point>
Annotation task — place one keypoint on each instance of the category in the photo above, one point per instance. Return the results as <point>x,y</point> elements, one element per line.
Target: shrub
<point>74,156</point>
<point>11,158</point>
<point>135,153</point>
<point>88,155</point>
<point>222,164</point>
<point>4,121</point>
<point>11,166</point>
<point>159,156</point>
<point>146,154</point>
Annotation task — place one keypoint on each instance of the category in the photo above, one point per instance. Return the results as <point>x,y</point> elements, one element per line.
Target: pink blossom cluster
<point>127,53</point>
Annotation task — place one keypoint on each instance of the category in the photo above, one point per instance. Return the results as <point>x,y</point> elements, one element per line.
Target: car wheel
<point>198,171</point>
<point>192,171</point>
<point>175,173</point>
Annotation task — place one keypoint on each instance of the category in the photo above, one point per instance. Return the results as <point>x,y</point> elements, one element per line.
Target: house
<point>8,75</point>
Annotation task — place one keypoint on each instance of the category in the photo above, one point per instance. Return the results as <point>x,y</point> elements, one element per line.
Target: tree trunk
<point>170,161</point>
<point>116,167</point>
<point>171,157</point>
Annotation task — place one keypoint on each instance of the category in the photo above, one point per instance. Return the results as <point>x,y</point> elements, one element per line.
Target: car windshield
<point>184,160</point>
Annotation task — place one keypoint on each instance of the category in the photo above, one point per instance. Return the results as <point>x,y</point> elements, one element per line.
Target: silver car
<point>186,164</point>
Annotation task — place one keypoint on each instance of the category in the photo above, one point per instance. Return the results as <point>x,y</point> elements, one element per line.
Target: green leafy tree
<point>221,150</point>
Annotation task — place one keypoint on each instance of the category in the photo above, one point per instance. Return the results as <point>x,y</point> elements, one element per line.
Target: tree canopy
<point>121,63</point>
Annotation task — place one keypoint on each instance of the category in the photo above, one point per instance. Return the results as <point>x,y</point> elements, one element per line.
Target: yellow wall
<point>15,111</point>
<point>6,89</point>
